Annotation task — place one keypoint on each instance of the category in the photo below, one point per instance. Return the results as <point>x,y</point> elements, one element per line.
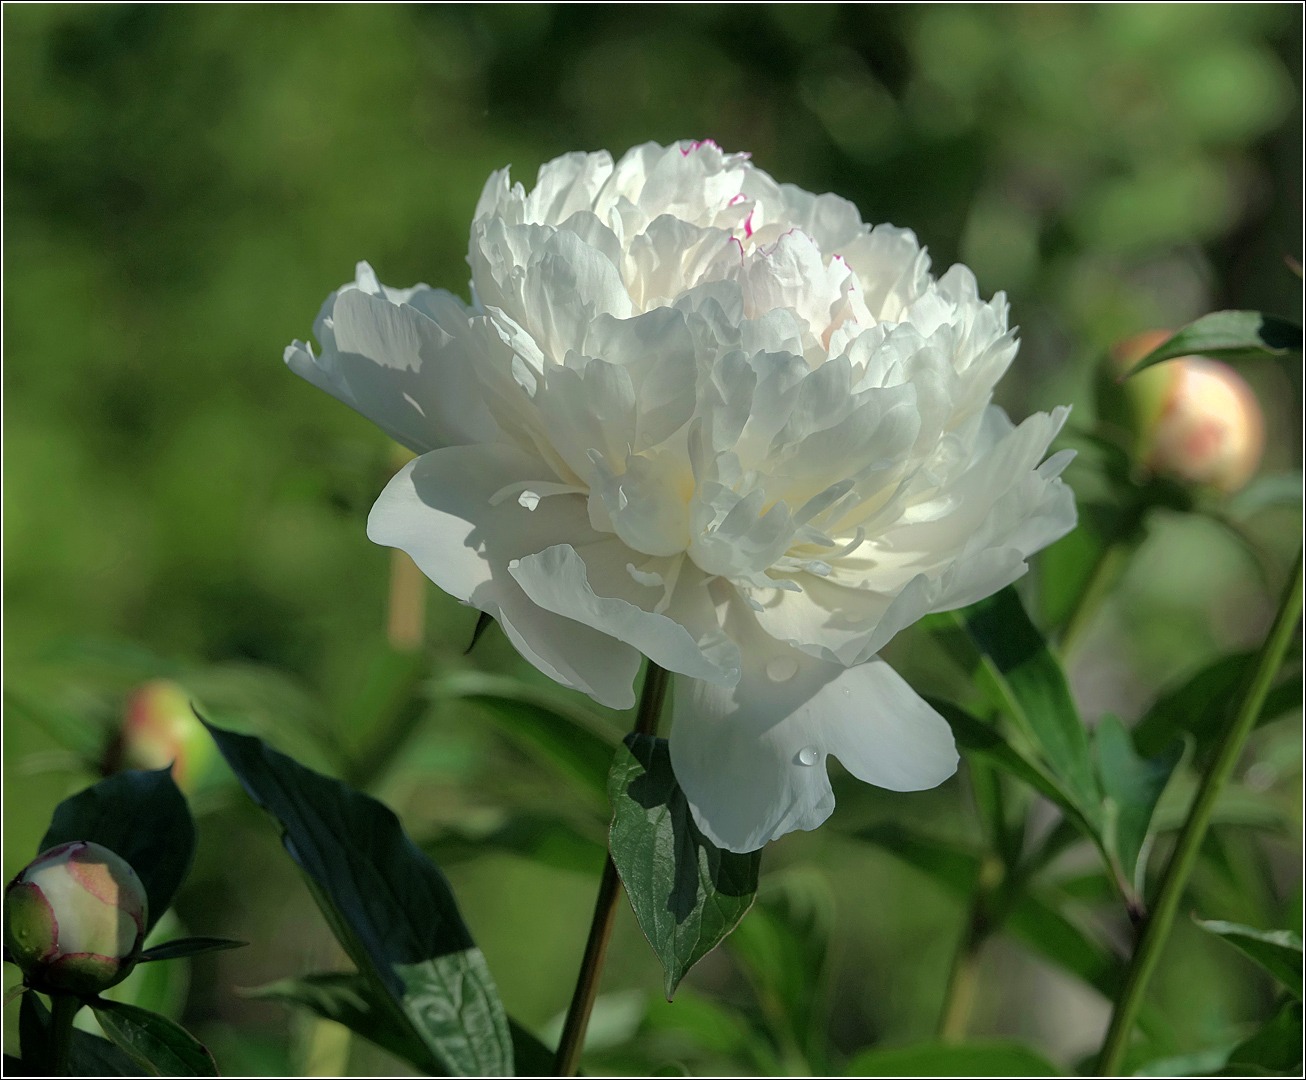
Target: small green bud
<point>75,919</point>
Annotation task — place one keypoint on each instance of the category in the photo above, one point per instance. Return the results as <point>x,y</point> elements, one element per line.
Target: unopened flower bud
<point>160,729</point>
<point>1197,419</point>
<point>75,919</point>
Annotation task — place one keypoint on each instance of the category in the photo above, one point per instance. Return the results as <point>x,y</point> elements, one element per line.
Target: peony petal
<point>599,591</point>
<point>439,510</point>
<point>751,759</point>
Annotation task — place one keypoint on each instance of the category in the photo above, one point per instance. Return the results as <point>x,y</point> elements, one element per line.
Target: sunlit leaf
<point>1278,951</point>
<point>1228,335</point>
<point>687,893</point>
<point>389,905</point>
<point>1038,691</point>
<point>154,1042</point>
<point>141,816</point>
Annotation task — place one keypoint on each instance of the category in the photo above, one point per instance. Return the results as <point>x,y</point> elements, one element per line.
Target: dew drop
<point>528,499</point>
<point>808,755</point>
<point>781,669</point>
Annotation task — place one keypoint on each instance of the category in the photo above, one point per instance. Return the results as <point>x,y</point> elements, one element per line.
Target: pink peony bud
<point>1197,418</point>
<point>160,729</point>
<point>75,919</point>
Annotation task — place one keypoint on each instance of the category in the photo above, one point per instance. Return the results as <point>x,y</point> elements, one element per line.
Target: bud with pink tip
<point>75,919</point>
<point>1197,419</point>
<point>160,729</point>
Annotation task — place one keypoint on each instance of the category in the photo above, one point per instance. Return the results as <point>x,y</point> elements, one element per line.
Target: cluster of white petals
<point>718,421</point>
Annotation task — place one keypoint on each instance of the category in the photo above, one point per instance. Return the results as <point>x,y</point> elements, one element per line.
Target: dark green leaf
<point>1039,693</point>
<point>1278,951</point>
<point>188,946</point>
<point>579,750</point>
<point>141,816</point>
<point>483,622</point>
<point>389,905</point>
<point>1228,335</point>
<point>982,1057</point>
<point>1200,705</point>
<point>687,893</point>
<point>154,1042</point>
<point>89,1055</point>
<point>547,840</point>
<point>1276,1047</point>
<point>350,999</point>
<point>981,740</point>
<point>384,715</point>
<point>1133,785</point>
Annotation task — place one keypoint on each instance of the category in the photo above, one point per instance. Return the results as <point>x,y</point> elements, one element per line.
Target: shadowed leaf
<point>687,893</point>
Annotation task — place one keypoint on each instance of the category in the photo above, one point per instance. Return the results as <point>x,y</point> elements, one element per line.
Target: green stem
<point>1106,572</point>
<point>63,1007</point>
<point>1157,928</point>
<point>981,923</point>
<point>572,1041</point>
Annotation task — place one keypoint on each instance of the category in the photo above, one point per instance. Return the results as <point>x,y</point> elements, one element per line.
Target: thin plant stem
<point>1106,572</point>
<point>963,978</point>
<point>572,1041</point>
<point>63,1007</point>
<point>1157,927</point>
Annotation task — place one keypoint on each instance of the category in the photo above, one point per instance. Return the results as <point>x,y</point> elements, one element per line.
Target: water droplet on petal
<point>809,755</point>
<point>781,669</point>
<point>528,499</point>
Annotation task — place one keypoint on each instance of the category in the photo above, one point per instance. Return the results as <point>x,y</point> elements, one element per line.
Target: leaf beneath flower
<point>688,894</point>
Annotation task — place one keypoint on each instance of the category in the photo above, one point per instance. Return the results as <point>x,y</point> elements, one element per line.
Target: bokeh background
<point>183,185</point>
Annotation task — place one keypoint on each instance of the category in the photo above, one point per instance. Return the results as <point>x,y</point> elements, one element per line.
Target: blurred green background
<point>185,184</point>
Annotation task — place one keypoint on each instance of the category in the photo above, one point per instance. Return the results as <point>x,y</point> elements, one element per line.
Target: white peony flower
<point>699,415</point>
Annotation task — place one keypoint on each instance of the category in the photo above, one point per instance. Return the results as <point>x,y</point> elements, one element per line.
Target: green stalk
<point>1157,928</point>
<point>1106,572</point>
<point>63,1007</point>
<point>572,1041</point>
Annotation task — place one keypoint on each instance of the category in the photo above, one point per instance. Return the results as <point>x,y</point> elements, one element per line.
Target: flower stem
<point>63,1007</point>
<point>1106,572</point>
<point>959,997</point>
<point>1157,928</point>
<point>605,906</point>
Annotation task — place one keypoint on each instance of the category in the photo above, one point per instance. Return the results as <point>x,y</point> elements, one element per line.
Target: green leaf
<point>580,750</point>
<point>388,904</point>
<point>1030,918</point>
<point>1276,1047</point>
<point>154,1042</point>
<point>1278,951</point>
<point>687,893</point>
<point>1228,335</point>
<point>548,841</point>
<point>782,947</point>
<point>141,816</point>
<point>1038,692</point>
<point>350,999</point>
<point>89,1055</point>
<point>981,740</point>
<point>1200,705</point>
<point>1276,489</point>
<point>85,739</point>
<point>188,946</point>
<point>1133,786</point>
<point>981,1057</point>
